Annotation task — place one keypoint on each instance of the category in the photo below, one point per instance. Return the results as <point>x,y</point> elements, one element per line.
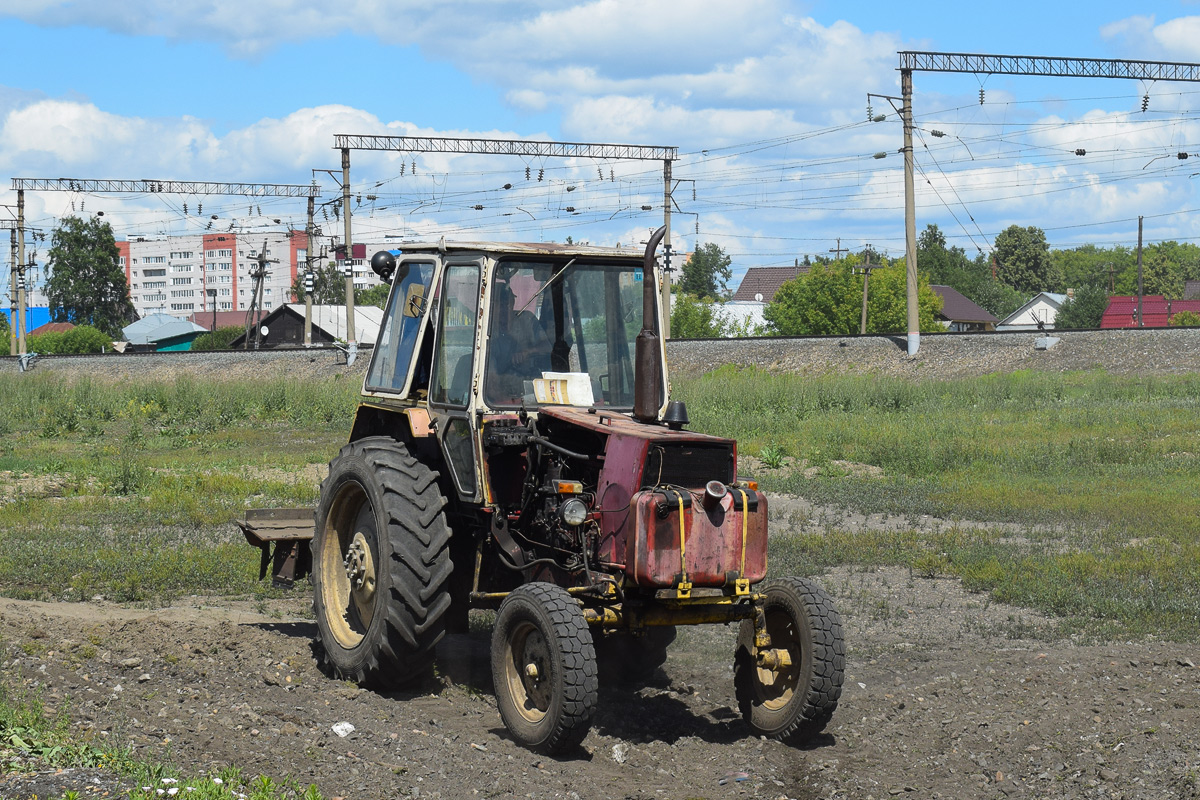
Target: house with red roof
<point>51,327</point>
<point>1122,311</point>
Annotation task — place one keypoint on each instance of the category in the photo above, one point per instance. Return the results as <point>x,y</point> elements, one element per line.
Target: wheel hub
<point>534,656</point>
<point>360,567</point>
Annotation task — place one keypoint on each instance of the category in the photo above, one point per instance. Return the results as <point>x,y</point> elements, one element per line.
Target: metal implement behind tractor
<point>515,449</point>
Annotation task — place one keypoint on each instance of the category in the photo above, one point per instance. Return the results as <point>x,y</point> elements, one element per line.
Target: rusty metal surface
<point>610,423</point>
<point>263,525</point>
<point>712,546</point>
<point>288,529</point>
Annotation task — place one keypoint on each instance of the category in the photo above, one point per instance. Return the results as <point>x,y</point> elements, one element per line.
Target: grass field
<point>129,490</point>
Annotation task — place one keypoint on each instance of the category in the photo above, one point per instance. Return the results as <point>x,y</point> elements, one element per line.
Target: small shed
<point>285,326</point>
<point>1038,314</point>
<point>161,333</point>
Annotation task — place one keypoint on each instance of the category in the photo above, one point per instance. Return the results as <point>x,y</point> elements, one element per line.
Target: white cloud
<point>1175,39</point>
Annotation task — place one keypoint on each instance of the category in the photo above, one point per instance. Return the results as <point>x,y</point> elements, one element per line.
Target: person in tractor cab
<point>520,347</point>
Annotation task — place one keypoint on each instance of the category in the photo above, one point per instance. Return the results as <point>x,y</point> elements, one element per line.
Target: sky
<point>766,101</point>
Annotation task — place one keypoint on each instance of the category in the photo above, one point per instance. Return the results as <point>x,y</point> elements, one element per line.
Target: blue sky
<point>766,100</point>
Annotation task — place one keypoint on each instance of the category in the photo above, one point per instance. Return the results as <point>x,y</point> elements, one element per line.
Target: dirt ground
<point>946,695</point>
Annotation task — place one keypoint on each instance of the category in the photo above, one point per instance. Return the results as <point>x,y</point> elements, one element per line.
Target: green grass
<point>30,735</point>
<point>1076,493</point>
<point>129,490</point>
<point>1098,473</point>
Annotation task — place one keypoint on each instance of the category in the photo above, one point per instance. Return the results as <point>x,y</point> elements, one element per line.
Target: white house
<point>1037,314</point>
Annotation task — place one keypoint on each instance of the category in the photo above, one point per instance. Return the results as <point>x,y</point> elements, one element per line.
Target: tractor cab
<point>478,332</point>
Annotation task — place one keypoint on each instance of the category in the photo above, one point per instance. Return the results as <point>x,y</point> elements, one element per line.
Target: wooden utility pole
<point>837,251</point>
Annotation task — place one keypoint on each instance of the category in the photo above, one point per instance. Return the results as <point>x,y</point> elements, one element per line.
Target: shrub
<point>80,339</point>
<point>218,339</point>
<point>1189,319</point>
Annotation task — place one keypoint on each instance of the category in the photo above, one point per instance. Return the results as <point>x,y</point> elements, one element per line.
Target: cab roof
<point>521,248</point>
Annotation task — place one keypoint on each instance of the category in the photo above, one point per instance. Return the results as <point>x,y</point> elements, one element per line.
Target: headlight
<point>573,511</point>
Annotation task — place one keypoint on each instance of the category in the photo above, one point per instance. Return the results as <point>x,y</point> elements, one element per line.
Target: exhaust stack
<point>647,375</point>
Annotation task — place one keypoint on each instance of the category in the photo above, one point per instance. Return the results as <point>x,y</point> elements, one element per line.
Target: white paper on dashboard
<point>564,388</point>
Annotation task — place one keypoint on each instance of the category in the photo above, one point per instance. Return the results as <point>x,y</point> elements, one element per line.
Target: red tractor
<point>515,450</point>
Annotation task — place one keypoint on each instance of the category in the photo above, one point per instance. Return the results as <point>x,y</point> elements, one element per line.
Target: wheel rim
<point>348,568</point>
<point>776,687</point>
<point>527,672</point>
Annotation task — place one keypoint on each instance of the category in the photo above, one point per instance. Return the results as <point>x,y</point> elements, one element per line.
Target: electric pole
<point>12,292</point>
<point>866,268</point>
<point>19,318</point>
<point>1139,272</point>
<point>666,279</point>
<point>910,214</point>
<point>308,275</point>
<point>349,262</point>
<point>837,251</point>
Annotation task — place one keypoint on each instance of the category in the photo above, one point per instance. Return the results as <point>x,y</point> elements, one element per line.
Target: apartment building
<point>182,275</point>
<point>185,275</point>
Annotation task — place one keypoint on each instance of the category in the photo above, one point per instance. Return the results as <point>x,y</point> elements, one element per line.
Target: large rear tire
<point>795,701</point>
<point>544,668</point>
<point>381,564</point>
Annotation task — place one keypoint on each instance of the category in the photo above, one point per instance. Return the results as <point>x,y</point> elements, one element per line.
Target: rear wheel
<point>381,564</point>
<point>544,668</point>
<point>790,692</point>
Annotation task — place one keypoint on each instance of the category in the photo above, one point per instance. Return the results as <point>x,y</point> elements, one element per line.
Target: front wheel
<point>544,668</point>
<point>790,692</point>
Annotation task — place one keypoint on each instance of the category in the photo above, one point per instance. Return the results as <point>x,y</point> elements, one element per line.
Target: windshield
<point>563,333</point>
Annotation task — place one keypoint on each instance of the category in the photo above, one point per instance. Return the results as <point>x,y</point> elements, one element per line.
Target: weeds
<point>1097,472</point>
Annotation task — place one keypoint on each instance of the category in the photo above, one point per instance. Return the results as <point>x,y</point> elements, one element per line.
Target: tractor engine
<point>588,491</point>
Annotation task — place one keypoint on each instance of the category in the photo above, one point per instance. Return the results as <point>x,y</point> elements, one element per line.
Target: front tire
<point>544,668</point>
<point>381,564</point>
<point>795,701</point>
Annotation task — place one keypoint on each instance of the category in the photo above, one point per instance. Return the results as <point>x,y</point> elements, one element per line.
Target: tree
<point>87,285</point>
<point>329,285</point>
<point>1023,260</point>
<point>1089,265</point>
<point>827,301</point>
<point>5,330</point>
<point>1084,310</point>
<point>951,267</point>
<point>80,339</point>
<point>693,318</point>
<point>373,295</point>
<point>705,273</point>
<point>220,339</point>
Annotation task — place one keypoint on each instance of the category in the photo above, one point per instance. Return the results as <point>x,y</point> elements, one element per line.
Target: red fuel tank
<point>717,544</point>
